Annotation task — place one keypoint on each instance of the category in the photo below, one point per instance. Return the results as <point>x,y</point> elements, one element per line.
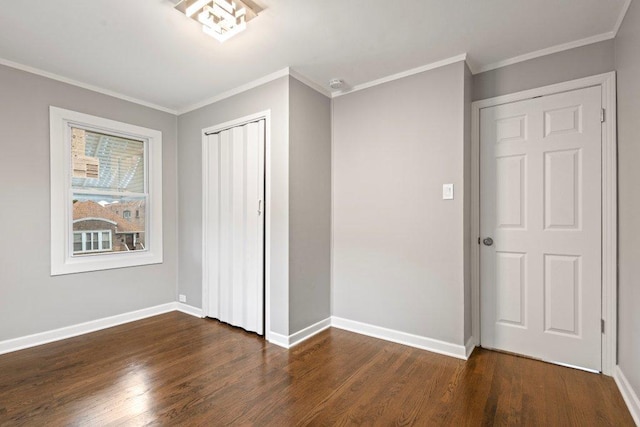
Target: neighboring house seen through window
<point>92,241</point>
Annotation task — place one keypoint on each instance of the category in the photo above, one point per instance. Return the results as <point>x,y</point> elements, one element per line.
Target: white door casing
<point>233,238</point>
<point>540,202</point>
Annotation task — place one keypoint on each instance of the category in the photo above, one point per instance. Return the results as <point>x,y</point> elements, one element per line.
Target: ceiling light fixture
<point>221,19</point>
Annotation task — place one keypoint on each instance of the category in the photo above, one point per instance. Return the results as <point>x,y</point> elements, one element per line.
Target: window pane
<point>106,241</point>
<point>97,216</point>
<point>106,162</point>
<point>77,242</point>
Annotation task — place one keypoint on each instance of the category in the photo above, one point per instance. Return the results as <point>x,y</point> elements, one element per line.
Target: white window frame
<point>100,248</point>
<point>62,259</point>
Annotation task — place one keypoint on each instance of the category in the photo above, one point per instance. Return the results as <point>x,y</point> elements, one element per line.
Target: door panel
<point>510,288</point>
<point>540,195</point>
<point>562,190</point>
<point>235,230</point>
<point>562,285</point>
<point>511,201</point>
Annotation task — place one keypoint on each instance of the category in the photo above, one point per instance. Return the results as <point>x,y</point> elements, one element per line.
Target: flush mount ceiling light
<point>221,19</point>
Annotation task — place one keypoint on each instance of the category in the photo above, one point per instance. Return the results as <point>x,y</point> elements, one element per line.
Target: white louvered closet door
<point>234,234</point>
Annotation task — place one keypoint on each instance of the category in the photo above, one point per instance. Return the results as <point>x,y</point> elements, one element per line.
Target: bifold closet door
<point>234,233</point>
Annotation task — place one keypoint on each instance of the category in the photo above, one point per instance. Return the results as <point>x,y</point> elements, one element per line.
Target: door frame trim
<point>607,82</point>
<point>266,115</point>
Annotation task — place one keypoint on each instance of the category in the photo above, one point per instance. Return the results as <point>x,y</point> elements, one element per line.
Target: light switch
<point>447,192</point>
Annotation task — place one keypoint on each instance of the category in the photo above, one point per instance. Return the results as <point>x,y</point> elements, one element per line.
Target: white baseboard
<point>34,340</point>
<point>424,343</point>
<point>436,346</point>
<point>278,339</point>
<point>628,394</point>
<point>469,347</point>
<point>298,337</point>
<point>189,309</point>
<point>309,331</point>
<point>20,343</point>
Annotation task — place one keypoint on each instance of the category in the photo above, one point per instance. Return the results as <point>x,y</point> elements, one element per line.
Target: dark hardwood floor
<point>175,369</point>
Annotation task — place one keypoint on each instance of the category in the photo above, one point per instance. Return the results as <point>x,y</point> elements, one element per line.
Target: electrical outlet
<point>182,298</point>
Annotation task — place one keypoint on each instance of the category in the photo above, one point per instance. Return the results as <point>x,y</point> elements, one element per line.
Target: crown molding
<point>543,52</point>
<point>83,85</point>
<point>288,71</point>
<point>232,92</point>
<point>623,13</point>
<point>313,85</point>
<point>403,74</point>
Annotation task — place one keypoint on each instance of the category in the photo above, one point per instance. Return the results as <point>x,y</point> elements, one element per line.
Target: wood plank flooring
<point>175,369</point>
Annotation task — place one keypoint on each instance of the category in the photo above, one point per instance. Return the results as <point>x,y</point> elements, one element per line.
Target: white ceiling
<point>144,49</point>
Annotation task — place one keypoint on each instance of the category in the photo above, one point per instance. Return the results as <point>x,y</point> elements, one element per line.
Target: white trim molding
<point>609,223</point>
<point>300,336</point>
<point>543,52</point>
<point>235,91</point>
<point>309,331</point>
<point>469,347</point>
<point>189,309</point>
<point>77,83</point>
<point>607,82</point>
<point>628,394</point>
<point>623,13</point>
<point>278,339</point>
<point>402,74</point>
<point>313,85</point>
<point>34,340</point>
<point>435,346</point>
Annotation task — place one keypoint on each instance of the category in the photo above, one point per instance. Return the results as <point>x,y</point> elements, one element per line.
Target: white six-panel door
<point>540,193</point>
<point>234,234</point>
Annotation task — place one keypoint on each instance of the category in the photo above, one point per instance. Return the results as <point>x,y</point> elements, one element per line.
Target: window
<point>100,167</point>
<point>108,174</point>
<point>92,241</point>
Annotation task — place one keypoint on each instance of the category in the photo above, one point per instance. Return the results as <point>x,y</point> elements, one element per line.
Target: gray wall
<point>559,67</point>
<point>627,49</point>
<point>31,300</point>
<point>309,206</point>
<point>398,248</point>
<point>272,96</point>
